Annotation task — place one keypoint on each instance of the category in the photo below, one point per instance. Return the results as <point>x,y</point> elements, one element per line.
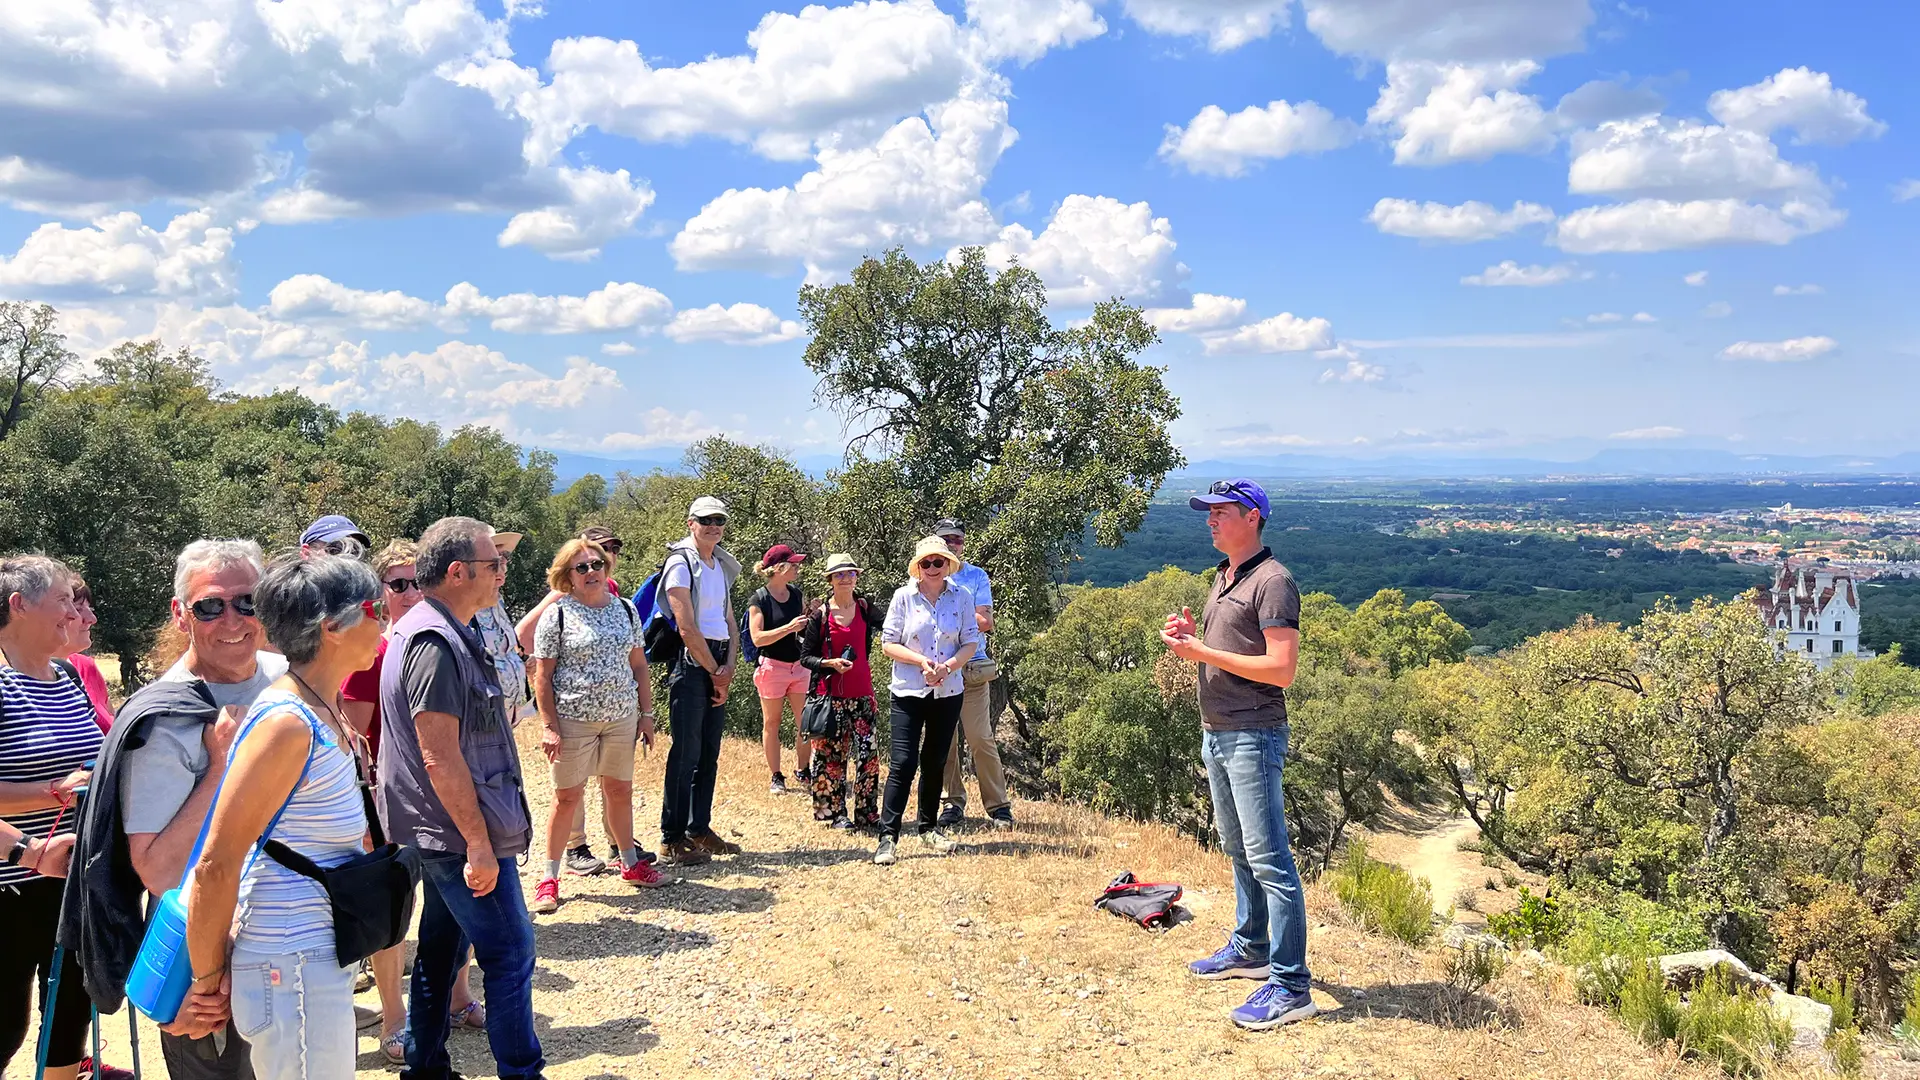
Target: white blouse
<point>935,630</point>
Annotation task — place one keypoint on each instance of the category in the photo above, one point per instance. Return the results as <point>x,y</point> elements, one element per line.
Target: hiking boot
<point>711,843</point>
<point>1229,963</point>
<point>581,861</point>
<point>1271,1006</point>
<point>778,786</point>
<point>644,875</point>
<point>937,843</point>
<point>546,897</point>
<point>682,854</point>
<point>950,817</point>
<point>1001,818</point>
<point>884,854</point>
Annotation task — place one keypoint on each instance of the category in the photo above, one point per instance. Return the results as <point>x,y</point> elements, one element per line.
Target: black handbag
<point>816,719</point>
<point>371,894</point>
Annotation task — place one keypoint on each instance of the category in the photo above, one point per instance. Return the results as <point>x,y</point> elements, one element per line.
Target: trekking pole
<point>51,989</point>
<point>133,1038</point>
<point>96,1042</point>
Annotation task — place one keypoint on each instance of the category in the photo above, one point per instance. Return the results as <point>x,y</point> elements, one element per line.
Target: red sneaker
<point>645,876</point>
<point>546,897</point>
<point>107,1072</point>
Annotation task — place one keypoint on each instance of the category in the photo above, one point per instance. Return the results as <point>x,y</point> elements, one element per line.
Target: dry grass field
<point>801,959</point>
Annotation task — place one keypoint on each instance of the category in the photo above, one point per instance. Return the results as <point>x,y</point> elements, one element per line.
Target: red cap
<point>781,553</point>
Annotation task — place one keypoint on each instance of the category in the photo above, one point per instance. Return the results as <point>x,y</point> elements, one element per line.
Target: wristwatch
<point>19,850</point>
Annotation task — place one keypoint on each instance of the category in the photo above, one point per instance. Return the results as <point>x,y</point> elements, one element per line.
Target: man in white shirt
<point>169,781</point>
<point>698,583</point>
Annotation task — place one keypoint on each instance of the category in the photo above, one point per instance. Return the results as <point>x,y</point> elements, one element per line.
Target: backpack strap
<point>72,673</point>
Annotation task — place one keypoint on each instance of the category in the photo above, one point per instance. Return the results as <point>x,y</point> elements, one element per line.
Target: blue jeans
<point>693,762</point>
<point>1270,910</point>
<point>496,926</point>
<point>296,1012</point>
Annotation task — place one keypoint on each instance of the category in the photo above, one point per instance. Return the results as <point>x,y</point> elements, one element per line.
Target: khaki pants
<point>976,725</point>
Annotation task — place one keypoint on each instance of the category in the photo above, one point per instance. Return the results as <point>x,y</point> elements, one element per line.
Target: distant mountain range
<point>1637,464</point>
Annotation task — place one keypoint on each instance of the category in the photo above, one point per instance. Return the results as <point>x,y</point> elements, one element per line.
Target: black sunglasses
<point>932,562</point>
<point>494,564</point>
<point>399,586</point>
<point>590,566</point>
<point>711,519</point>
<point>207,609</point>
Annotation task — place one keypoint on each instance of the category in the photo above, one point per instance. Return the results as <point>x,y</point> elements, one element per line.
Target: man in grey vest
<point>450,785</point>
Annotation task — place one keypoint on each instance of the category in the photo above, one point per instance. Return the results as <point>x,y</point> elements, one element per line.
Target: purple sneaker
<point>1271,1006</point>
<point>1229,963</point>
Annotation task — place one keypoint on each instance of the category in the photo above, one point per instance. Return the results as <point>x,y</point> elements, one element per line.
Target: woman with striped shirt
<point>294,758</point>
<point>48,742</point>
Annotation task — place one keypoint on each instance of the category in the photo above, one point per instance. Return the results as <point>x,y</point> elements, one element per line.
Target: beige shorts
<point>588,750</point>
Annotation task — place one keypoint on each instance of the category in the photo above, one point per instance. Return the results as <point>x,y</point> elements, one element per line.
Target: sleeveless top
<point>858,680</point>
<point>325,820</point>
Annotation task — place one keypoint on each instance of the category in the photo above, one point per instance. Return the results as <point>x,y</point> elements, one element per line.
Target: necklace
<point>333,718</point>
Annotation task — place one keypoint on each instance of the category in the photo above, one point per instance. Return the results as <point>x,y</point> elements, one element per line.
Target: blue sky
<point>1539,227</point>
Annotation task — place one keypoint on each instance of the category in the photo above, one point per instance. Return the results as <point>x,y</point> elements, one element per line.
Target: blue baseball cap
<point>1239,490</point>
<point>333,527</point>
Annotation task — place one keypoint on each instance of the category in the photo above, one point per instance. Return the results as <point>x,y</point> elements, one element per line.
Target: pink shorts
<point>775,679</point>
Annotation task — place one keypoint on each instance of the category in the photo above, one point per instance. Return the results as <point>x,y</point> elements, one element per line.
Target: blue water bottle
<point>162,971</point>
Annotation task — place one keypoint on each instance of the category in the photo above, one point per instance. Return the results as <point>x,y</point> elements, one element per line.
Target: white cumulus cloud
<point>1095,248</point>
<point>1207,312</point>
<point>1467,222</point>
<point>1282,333</point>
<point>1906,191</point>
<point>313,296</point>
<point>1355,371</point>
<point>120,255</point>
<point>1802,100</point>
<point>1808,289</point>
<point>601,206</point>
<point>740,324</point>
<point>1511,273</point>
<point>1226,24</point>
<point>1446,113</point>
<point>1775,352</point>
<point>1026,30</point>
<point>918,186</point>
<point>1682,159</point>
<point>1696,279</point>
<point>1472,30</point>
<point>1665,225</point>
<point>1223,144</point>
<point>619,305</point>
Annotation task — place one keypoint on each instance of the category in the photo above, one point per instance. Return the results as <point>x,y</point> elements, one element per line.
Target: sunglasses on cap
<point>1230,489</point>
<point>210,608</point>
<point>711,519</point>
<point>590,566</point>
<point>611,547</point>
<point>399,586</point>
<point>348,546</point>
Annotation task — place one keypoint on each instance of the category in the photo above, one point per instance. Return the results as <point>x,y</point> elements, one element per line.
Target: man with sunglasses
<point>1248,648</point>
<point>698,581</point>
<point>168,781</point>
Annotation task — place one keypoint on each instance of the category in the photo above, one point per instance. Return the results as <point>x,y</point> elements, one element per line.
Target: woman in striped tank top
<point>48,741</point>
<point>295,761</point>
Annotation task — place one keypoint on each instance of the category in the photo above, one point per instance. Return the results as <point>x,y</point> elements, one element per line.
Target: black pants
<point>922,734</point>
<point>29,914</point>
<point>693,762</point>
<point>201,1059</point>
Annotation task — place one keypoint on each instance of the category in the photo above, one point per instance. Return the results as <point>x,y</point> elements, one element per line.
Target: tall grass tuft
<point>1382,897</point>
<point>1734,1027</point>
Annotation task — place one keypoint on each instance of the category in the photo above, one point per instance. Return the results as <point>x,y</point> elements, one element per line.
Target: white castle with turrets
<point>1816,611</point>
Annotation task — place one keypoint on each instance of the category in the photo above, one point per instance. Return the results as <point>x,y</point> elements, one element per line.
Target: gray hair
<point>213,556</point>
<point>446,542</point>
<point>32,576</point>
<point>296,597</point>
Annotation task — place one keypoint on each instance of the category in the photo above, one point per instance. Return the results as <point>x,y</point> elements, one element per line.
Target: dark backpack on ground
<point>1148,903</point>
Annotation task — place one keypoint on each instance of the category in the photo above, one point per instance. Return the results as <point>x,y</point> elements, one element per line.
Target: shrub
<point>1843,1048</point>
<point>1641,998</point>
<point>1839,996</point>
<point>1733,1027</point>
<point>1538,922</point>
<point>1471,967</point>
<point>1622,924</point>
<point>1384,898</point>
<point>1911,1019</point>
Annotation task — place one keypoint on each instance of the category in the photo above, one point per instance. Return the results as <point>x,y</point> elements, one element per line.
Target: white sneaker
<point>884,854</point>
<point>937,843</point>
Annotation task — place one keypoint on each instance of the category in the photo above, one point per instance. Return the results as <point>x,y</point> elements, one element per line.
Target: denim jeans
<point>1270,911</point>
<point>693,762</point>
<point>922,733</point>
<point>296,1012</point>
<point>496,926</point>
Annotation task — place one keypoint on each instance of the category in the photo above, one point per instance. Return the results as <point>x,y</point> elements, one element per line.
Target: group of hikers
<point>339,700</point>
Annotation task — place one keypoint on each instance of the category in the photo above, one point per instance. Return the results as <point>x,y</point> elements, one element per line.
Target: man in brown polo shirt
<point>1248,647</point>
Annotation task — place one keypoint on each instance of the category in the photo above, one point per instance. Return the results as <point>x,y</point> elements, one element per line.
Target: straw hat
<point>931,545</point>
<point>839,561</point>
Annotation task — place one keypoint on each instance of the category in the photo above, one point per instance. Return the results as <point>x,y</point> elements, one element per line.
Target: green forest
<point>1514,587</point>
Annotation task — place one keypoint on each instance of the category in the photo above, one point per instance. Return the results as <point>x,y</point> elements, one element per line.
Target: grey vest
<point>410,811</point>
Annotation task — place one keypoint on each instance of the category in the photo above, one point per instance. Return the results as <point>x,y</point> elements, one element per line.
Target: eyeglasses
<point>612,547</point>
<point>591,566</point>
<point>494,564</point>
<point>932,562</point>
<point>375,609</point>
<point>399,586</point>
<point>210,608</point>
<point>952,540</point>
<point>711,519</point>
